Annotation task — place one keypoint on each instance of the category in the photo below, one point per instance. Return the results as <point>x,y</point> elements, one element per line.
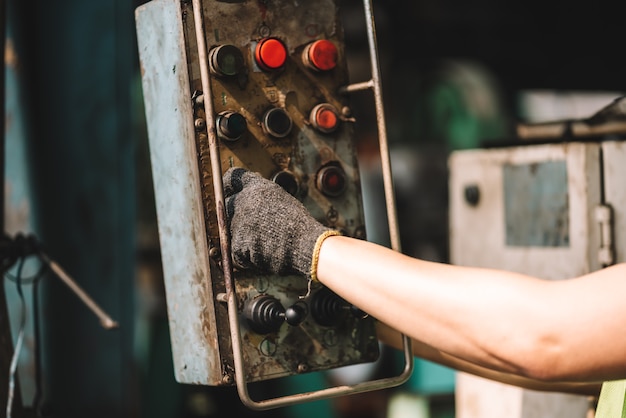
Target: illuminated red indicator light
<point>270,54</point>
<point>331,180</point>
<point>324,117</point>
<point>327,119</point>
<point>321,55</point>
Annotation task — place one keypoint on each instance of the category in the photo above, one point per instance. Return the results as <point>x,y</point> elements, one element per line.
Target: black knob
<point>326,307</point>
<point>287,181</point>
<point>265,314</point>
<point>230,125</point>
<point>277,122</point>
<point>295,314</point>
<point>225,60</point>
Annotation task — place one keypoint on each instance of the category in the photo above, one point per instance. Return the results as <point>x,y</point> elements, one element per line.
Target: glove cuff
<point>316,251</point>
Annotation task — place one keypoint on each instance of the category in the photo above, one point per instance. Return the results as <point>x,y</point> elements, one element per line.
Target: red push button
<point>320,55</point>
<point>270,54</point>
<point>324,117</point>
<point>331,180</point>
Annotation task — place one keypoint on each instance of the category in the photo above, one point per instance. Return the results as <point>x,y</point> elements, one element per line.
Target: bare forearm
<point>427,301</point>
<point>393,338</point>
<point>499,320</point>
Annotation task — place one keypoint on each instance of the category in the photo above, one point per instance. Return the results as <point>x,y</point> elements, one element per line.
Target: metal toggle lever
<point>105,319</point>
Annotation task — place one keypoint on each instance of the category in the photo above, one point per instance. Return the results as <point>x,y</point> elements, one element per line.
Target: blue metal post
<point>83,164</point>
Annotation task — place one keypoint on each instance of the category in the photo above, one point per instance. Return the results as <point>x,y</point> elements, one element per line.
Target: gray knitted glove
<point>269,229</point>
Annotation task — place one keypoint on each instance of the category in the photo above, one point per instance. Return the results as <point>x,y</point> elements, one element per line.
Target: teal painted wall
<point>70,152</point>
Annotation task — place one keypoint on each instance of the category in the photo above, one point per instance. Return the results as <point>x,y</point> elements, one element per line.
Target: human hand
<point>269,229</point>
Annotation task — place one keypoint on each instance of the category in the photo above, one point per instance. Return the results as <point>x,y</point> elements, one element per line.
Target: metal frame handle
<point>240,379</point>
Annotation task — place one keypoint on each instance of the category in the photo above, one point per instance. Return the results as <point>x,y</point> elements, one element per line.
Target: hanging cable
<point>22,247</point>
<point>17,250</point>
<point>36,331</point>
<point>20,339</point>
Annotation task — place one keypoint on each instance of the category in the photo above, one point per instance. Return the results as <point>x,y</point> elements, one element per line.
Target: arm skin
<point>394,339</point>
<point>502,322</point>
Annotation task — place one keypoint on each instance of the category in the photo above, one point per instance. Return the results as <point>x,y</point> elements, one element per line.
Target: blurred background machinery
<point>553,211</point>
<point>456,75</point>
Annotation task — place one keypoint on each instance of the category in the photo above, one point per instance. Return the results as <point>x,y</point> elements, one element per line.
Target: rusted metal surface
<point>177,192</point>
<point>185,190</point>
<point>195,163</point>
<point>350,340</point>
<point>302,152</point>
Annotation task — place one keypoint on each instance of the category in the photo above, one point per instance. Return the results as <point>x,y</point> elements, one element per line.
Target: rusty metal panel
<point>178,112</point>
<point>177,191</point>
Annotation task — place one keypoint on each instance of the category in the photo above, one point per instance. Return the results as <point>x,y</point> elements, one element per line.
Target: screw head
<point>199,124</point>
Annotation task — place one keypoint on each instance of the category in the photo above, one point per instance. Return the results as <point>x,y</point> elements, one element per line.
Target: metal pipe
<point>392,217</point>
<point>382,129</point>
<point>351,88</point>
<point>105,319</point>
<point>218,188</point>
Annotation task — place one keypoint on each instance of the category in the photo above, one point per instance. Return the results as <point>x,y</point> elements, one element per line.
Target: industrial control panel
<point>261,82</point>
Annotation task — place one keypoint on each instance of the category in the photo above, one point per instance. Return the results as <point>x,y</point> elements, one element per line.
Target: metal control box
<point>275,69</point>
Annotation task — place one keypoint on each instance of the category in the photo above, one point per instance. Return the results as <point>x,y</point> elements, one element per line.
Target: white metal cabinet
<point>533,210</point>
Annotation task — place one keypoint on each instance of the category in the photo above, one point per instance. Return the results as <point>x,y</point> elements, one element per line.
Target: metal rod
<point>105,319</point>
<point>218,188</point>
<point>18,344</point>
<point>392,218</point>
<point>351,88</point>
